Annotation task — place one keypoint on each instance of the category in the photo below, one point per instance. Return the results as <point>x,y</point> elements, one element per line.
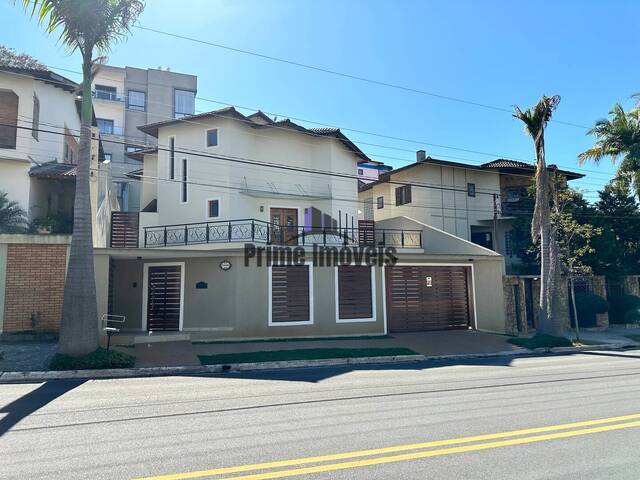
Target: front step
<point>156,337</point>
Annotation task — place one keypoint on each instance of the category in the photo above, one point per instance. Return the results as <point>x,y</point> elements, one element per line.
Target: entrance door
<point>164,297</point>
<point>284,226</point>
<point>423,298</point>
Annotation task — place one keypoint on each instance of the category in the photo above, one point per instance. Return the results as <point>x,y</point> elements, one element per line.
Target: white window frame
<point>374,310</point>
<point>184,179</point>
<point>145,290</point>
<point>206,214</point>
<point>206,135</point>
<point>271,323</point>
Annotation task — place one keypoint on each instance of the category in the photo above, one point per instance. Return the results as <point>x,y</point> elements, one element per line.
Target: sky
<point>494,53</point>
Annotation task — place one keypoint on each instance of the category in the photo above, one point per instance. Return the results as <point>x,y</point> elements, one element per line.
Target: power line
<point>341,74</point>
<point>312,134</point>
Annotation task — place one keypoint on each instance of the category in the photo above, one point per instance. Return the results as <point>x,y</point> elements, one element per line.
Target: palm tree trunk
<point>79,325</point>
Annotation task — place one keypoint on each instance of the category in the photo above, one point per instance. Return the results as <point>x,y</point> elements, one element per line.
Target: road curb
<point>20,377</point>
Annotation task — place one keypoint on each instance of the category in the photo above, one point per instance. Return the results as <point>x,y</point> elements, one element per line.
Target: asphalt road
<point>563,417</point>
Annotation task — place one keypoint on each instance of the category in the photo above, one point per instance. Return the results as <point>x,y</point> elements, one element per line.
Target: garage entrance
<point>421,298</point>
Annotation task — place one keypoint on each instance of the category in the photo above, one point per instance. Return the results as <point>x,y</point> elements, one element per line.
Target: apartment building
<point>126,98</point>
<point>475,202</point>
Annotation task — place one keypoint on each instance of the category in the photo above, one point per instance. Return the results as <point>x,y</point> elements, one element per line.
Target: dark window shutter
<point>8,118</point>
<point>398,196</point>
<point>407,195</point>
<point>354,292</point>
<point>290,293</point>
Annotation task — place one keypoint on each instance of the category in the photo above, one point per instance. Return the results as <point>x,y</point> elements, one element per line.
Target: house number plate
<point>429,281</point>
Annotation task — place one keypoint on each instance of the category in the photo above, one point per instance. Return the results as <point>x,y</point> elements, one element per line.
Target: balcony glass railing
<point>107,95</point>
<point>258,231</point>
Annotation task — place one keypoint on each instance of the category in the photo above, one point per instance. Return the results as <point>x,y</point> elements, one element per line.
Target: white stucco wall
<point>446,205</point>
<point>223,179</point>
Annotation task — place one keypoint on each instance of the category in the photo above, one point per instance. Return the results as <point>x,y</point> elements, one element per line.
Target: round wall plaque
<point>225,265</point>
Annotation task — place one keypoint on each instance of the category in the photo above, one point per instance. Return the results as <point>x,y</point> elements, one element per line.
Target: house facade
<point>126,98</point>
<point>39,129</point>
<point>475,202</point>
<point>222,189</point>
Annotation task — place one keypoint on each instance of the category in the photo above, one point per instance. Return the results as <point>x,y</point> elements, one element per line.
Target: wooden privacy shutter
<point>354,292</point>
<point>124,230</point>
<point>163,297</point>
<point>290,294</point>
<point>427,298</point>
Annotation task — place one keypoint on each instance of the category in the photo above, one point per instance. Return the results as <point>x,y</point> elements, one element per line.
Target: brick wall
<point>34,286</point>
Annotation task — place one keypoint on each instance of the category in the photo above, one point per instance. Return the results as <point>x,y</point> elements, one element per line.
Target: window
<point>122,191</point>
<point>290,295</point>
<point>360,171</point>
<point>172,158</point>
<point>136,100</point>
<point>8,119</point>
<point>471,189</point>
<point>105,126</point>
<point>35,119</point>
<point>132,148</point>
<point>380,203</point>
<point>508,247</point>
<point>403,195</point>
<point>183,196</point>
<point>513,195</point>
<point>212,137</point>
<point>68,153</point>
<point>105,93</point>
<point>354,297</point>
<point>213,208</point>
<point>184,103</point>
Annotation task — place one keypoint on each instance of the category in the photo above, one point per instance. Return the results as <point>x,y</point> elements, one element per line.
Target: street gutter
<point>20,377</point>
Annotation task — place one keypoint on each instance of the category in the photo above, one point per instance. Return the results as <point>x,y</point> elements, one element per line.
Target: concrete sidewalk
<point>452,342</point>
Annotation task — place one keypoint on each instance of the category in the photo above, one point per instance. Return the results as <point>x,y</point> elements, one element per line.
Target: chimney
<point>421,156</point>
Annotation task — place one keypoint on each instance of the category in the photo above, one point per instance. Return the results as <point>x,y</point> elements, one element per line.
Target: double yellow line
<point>491,440</point>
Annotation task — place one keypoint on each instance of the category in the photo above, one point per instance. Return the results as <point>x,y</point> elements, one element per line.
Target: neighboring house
<point>38,161</point>
<point>124,99</point>
<point>219,180</point>
<point>473,202</point>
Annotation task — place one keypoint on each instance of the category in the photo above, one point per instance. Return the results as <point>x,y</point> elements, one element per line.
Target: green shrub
<point>589,305</point>
<point>98,360</point>
<point>624,309</point>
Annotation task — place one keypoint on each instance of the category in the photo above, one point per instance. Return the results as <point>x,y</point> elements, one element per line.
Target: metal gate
<point>164,292</point>
<point>421,298</point>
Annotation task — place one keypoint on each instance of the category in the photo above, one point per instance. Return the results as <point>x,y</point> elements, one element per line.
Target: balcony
<point>109,95</point>
<point>258,231</point>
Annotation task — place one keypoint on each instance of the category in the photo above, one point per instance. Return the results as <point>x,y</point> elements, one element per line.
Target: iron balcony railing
<point>259,231</point>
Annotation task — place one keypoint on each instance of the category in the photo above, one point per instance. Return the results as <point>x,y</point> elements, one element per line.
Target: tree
<point>9,58</point>
<point>618,216</point>
<point>85,25</point>
<point>535,120</point>
<point>12,217</point>
<point>574,242</point>
<point>618,136</point>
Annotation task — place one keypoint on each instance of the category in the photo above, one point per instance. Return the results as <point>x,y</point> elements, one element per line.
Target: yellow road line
<point>394,449</point>
<point>432,453</point>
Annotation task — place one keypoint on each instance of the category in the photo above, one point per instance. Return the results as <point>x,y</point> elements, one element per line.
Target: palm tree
<point>86,25</point>
<point>12,216</point>
<point>618,136</point>
<point>535,120</point>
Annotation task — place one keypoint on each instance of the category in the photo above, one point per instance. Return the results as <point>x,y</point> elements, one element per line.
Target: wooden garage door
<point>427,298</point>
<point>163,297</point>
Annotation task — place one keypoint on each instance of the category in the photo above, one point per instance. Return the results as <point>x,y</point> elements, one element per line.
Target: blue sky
<point>500,53</point>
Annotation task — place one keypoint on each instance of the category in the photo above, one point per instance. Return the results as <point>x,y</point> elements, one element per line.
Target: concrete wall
<point>236,302</point>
